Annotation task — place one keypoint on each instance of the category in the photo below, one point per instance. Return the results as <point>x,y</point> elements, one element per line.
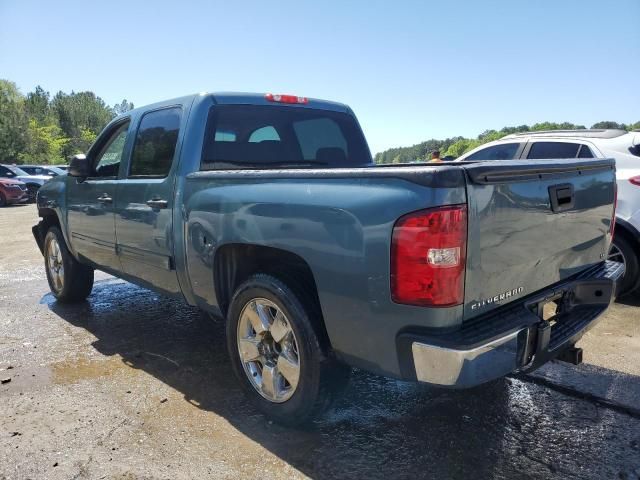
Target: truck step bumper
<point>465,368</point>
<point>513,338</point>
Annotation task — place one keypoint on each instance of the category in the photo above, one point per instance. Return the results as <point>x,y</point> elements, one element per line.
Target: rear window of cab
<point>265,137</point>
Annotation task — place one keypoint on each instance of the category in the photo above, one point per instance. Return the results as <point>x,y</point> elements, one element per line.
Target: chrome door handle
<point>104,198</point>
<point>157,203</point>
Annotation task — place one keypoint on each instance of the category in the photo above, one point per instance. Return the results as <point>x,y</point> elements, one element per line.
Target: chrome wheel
<point>268,350</point>
<point>55,265</point>
<point>616,255</point>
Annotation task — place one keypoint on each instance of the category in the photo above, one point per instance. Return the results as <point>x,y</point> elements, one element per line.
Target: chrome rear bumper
<point>450,367</point>
<point>515,338</point>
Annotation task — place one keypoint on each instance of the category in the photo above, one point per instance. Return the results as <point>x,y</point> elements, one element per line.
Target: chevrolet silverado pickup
<point>268,211</point>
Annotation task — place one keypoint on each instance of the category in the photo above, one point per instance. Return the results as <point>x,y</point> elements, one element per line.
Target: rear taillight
<point>635,180</point>
<point>428,254</point>
<point>271,97</point>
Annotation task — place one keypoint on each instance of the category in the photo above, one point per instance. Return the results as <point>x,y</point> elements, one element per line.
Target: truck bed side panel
<point>341,227</point>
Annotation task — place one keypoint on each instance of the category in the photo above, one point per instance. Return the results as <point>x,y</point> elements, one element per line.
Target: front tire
<point>69,280</point>
<point>622,251</point>
<point>3,201</point>
<point>274,343</point>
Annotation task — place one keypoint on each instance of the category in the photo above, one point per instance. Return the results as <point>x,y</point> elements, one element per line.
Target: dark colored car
<point>12,191</point>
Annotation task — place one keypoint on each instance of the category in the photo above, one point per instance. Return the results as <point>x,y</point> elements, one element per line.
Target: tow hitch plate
<point>560,320</point>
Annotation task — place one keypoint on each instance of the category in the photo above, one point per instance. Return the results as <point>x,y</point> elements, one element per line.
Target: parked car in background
<point>269,211</point>
<point>12,192</point>
<point>621,145</point>
<point>33,182</point>
<point>48,170</point>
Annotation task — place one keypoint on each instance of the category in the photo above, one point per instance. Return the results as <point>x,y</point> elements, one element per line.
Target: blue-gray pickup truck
<point>267,210</point>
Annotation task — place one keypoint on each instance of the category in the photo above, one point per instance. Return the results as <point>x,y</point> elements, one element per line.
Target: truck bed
<point>339,222</point>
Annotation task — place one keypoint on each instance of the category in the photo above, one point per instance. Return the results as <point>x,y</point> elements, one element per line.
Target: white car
<point>619,144</point>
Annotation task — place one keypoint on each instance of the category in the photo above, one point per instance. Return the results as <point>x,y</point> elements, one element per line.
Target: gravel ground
<point>132,385</point>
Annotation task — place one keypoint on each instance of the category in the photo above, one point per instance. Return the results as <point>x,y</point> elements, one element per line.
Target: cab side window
<point>107,161</point>
<point>155,143</point>
<point>504,151</point>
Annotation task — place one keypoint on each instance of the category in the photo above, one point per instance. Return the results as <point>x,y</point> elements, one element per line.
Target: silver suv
<point>619,144</point>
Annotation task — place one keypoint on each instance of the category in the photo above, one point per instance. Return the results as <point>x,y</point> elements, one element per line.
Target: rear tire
<point>3,201</point>
<point>622,251</point>
<point>290,390</point>
<point>69,280</point>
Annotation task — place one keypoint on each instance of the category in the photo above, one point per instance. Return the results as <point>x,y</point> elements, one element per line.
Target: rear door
<point>145,200</point>
<point>90,202</point>
<point>532,225</point>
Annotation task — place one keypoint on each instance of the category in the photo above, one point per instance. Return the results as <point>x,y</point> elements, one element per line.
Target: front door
<point>145,201</point>
<point>91,201</point>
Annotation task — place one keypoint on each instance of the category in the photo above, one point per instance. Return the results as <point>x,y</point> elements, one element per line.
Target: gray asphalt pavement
<point>131,385</point>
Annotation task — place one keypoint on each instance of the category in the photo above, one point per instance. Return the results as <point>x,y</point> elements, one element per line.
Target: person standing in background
<point>435,157</point>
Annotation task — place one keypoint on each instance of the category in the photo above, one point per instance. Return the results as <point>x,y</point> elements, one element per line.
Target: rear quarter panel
<point>341,227</point>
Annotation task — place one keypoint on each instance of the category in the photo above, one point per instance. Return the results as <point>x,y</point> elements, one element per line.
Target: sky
<point>411,70</point>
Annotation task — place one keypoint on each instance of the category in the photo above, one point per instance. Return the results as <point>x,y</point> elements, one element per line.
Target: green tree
<point>609,124</point>
<point>122,107</point>
<point>490,136</point>
<point>45,144</point>
<point>13,122</point>
<point>555,126</point>
<point>461,146</point>
<point>37,105</point>
<point>77,115</point>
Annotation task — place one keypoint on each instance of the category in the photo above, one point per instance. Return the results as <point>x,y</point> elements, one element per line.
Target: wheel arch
<point>631,233</point>
<point>235,263</point>
<point>49,219</point>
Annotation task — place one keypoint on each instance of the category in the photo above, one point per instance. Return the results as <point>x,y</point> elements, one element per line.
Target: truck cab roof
<point>244,98</point>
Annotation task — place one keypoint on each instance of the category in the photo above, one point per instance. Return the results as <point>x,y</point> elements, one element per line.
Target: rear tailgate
<point>532,225</point>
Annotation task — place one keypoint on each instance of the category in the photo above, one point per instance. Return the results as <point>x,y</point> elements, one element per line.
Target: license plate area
<point>560,312</point>
<point>549,310</point>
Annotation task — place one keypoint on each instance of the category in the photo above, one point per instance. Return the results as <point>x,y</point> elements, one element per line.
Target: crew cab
<point>268,211</point>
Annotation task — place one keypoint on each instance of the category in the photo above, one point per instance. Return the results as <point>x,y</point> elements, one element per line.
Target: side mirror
<point>79,166</point>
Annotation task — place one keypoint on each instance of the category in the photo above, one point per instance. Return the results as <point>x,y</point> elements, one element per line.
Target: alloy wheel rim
<point>616,255</point>
<point>268,350</point>
<point>55,265</point>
